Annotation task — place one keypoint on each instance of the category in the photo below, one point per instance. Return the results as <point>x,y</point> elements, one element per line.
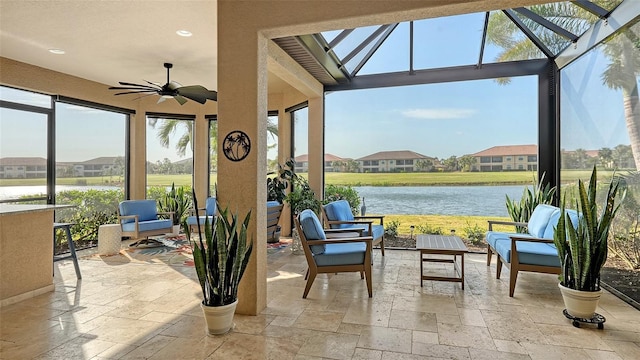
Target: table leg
<point>421,273</point>
<point>462,275</point>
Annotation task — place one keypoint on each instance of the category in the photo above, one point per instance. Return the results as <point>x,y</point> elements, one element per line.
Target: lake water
<point>439,200</point>
<point>407,200</point>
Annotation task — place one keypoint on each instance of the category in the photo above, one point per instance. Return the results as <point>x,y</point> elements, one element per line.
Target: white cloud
<point>438,113</point>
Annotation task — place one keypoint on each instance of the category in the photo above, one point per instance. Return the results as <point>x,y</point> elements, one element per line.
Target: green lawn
<point>351,179</point>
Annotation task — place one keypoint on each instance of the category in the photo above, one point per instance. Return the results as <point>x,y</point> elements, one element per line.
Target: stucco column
<point>201,158</point>
<point>138,153</point>
<point>242,106</point>
<point>284,153</point>
<point>316,146</point>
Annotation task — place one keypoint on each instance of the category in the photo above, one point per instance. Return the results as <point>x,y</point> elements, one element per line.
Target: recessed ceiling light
<point>56,51</point>
<point>184,33</point>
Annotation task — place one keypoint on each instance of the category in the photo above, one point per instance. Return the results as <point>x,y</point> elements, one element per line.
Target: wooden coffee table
<point>442,245</point>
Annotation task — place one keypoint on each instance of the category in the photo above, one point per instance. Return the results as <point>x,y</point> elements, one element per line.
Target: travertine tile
<point>387,339</point>
<point>126,310</point>
<point>330,345</point>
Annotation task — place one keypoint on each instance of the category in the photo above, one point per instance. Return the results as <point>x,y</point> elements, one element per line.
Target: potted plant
<point>220,257</point>
<point>178,202</point>
<point>583,248</point>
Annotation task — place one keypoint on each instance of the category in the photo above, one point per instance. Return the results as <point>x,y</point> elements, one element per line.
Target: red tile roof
<point>327,157</point>
<point>26,161</point>
<point>394,155</point>
<point>506,150</point>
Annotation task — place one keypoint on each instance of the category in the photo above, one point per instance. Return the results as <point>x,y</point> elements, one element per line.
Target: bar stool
<point>72,247</point>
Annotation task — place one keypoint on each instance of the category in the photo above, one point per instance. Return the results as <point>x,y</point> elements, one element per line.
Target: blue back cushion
<point>312,230</point>
<point>339,211</point>
<point>145,209</point>
<point>553,222</point>
<point>210,206</point>
<point>540,219</point>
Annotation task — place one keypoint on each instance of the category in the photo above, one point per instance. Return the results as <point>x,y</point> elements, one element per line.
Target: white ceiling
<point>111,41</point>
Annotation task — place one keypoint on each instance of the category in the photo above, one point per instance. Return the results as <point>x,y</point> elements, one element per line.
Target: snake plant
<point>222,257</point>
<point>582,248</point>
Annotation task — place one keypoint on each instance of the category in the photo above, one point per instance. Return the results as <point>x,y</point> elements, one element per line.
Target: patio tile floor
<point>125,310</point>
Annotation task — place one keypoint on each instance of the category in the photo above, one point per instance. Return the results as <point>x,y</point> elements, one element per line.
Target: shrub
<point>428,229</point>
<point>474,233</point>
<point>391,228</point>
<point>520,211</point>
<point>336,192</point>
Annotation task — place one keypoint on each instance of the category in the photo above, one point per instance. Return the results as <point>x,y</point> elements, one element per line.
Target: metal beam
<point>484,38</point>
<point>516,20</point>
<point>363,44</point>
<point>620,17</point>
<point>592,8</point>
<point>373,49</point>
<point>444,75</point>
<point>339,38</point>
<point>328,60</point>
<point>546,23</point>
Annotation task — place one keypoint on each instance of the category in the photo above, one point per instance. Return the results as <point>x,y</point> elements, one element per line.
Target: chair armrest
<point>502,222</point>
<point>122,217</point>
<point>336,222</point>
<point>168,213</point>
<point>343,231</point>
<point>372,217</point>
<point>530,239</point>
<point>340,240</point>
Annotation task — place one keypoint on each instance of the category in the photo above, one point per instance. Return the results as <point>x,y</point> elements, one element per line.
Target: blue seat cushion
<point>339,210</point>
<point>540,219</point>
<point>272,203</point>
<point>492,236</point>
<point>145,209</point>
<point>378,230</point>
<point>210,206</point>
<point>148,225</point>
<point>191,220</point>
<point>529,253</point>
<point>312,230</point>
<point>342,254</point>
<point>553,222</point>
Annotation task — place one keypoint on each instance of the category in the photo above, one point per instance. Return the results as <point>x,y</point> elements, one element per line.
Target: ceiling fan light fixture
<point>184,33</point>
<point>57,51</point>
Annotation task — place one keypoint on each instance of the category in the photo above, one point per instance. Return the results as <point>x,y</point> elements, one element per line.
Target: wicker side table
<point>109,239</point>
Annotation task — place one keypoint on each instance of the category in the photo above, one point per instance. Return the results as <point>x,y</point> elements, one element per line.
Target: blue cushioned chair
<point>140,218</point>
<point>533,251</point>
<point>338,215</point>
<point>274,210</point>
<point>210,211</point>
<point>333,255</point>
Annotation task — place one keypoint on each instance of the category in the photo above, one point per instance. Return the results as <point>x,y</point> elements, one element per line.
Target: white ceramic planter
<point>175,231</point>
<point>580,304</point>
<point>219,319</point>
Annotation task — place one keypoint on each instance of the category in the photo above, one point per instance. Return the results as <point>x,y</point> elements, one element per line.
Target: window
<point>532,158</point>
<point>374,162</point>
<point>399,162</point>
<point>496,159</point>
<point>485,159</point>
<point>408,162</point>
<point>169,152</point>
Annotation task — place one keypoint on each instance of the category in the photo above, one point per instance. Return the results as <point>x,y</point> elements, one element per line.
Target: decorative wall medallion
<point>236,145</point>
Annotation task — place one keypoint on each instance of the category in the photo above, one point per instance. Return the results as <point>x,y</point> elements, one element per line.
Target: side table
<point>109,239</point>
<point>442,245</point>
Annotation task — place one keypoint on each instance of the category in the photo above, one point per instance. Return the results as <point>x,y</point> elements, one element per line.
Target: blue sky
<point>438,120</point>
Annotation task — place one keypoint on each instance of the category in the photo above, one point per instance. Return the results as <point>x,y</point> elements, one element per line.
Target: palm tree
<point>621,50</point>
<point>167,127</point>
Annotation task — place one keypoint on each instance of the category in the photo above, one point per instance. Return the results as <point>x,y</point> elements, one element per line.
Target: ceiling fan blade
<point>136,92</point>
<point>153,83</point>
<point>197,93</point>
<point>131,88</point>
<point>173,85</point>
<point>180,99</point>
<point>161,99</point>
<point>139,85</point>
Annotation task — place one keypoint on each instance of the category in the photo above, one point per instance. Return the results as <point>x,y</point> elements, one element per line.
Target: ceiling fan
<point>173,89</point>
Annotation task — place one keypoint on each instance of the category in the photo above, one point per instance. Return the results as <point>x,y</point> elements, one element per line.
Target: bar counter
<point>26,251</point>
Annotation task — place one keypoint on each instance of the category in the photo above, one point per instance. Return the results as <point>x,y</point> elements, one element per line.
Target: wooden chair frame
<point>358,220</point>
<point>314,269</point>
<point>515,266</point>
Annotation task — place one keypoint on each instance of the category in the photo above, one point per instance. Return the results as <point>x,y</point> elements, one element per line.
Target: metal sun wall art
<point>236,145</point>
